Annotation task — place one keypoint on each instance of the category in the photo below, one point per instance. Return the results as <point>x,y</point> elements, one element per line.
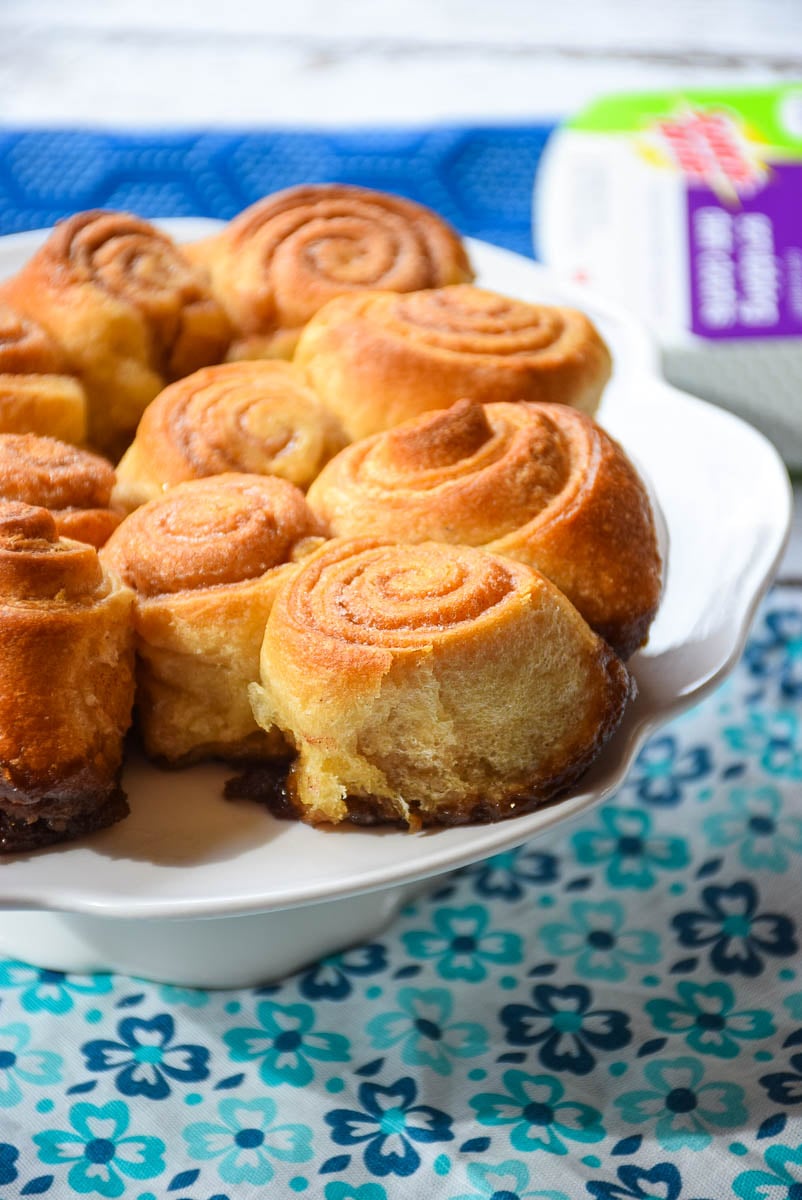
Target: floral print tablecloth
<point>613,1010</point>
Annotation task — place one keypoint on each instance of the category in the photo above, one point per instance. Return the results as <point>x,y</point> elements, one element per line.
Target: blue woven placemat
<point>479,179</point>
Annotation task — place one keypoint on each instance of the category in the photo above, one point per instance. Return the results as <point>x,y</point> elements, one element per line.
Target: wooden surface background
<point>319,62</point>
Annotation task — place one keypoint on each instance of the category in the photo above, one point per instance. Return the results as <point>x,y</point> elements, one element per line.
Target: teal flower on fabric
<point>705,1015</point>
<point>422,1027</point>
<point>757,826</point>
<point>778,654</point>
<point>21,1064</point>
<point>285,1044</point>
<point>50,991</point>
<point>191,997</point>
<point>541,1119</point>
<point>783,1180</point>
<point>774,738</point>
<point>99,1152</point>
<point>597,939</point>
<point>247,1142</point>
<point>462,943</point>
<point>683,1108</point>
<point>346,1191</point>
<point>632,852</point>
<point>510,1180</point>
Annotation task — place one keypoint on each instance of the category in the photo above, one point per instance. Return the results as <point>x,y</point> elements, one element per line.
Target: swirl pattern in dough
<point>66,683</point>
<point>431,684</point>
<point>127,308</point>
<point>283,258</point>
<point>377,360</point>
<point>260,418</point>
<point>74,485</point>
<point>37,395</point>
<point>205,561</point>
<point>541,483</point>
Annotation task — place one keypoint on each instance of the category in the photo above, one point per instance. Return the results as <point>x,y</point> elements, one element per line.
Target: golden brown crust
<point>283,258</point>
<point>205,561</point>
<point>66,683</point>
<point>209,533</point>
<point>431,684</point>
<point>74,485</point>
<point>129,311</point>
<point>541,483</point>
<point>379,359</point>
<point>36,393</point>
<point>25,347</point>
<point>255,417</point>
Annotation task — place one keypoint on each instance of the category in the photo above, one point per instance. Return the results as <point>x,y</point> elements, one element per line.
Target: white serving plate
<point>280,893</point>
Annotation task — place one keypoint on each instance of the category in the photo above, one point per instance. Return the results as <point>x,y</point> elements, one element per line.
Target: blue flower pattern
<point>145,1058</point>
<point>565,1028</point>
<point>662,770</point>
<point>604,1011</point>
<point>738,935</point>
<point>390,1127</point>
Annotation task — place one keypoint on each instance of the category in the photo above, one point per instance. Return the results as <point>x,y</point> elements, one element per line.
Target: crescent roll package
<point>686,206</point>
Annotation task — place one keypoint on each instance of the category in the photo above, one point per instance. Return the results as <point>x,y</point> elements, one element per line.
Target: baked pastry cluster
<point>364,536</point>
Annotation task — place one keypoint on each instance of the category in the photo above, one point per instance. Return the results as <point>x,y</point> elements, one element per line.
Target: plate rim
<point>503,835</point>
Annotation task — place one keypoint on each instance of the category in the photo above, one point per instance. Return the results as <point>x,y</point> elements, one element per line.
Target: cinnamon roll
<point>205,561</point>
<point>281,259</point>
<point>256,417</point>
<point>376,360</point>
<point>127,308</point>
<point>66,683</point>
<point>432,684</point>
<point>74,485</point>
<point>37,395</point>
<point>541,483</point>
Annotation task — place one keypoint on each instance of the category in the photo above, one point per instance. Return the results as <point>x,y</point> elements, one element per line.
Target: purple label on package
<point>746,259</point>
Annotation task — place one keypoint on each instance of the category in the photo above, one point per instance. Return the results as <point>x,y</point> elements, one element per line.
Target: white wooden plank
<point>719,26</point>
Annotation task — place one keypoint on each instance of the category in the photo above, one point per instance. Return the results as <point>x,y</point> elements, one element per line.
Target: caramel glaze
<point>82,806</point>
